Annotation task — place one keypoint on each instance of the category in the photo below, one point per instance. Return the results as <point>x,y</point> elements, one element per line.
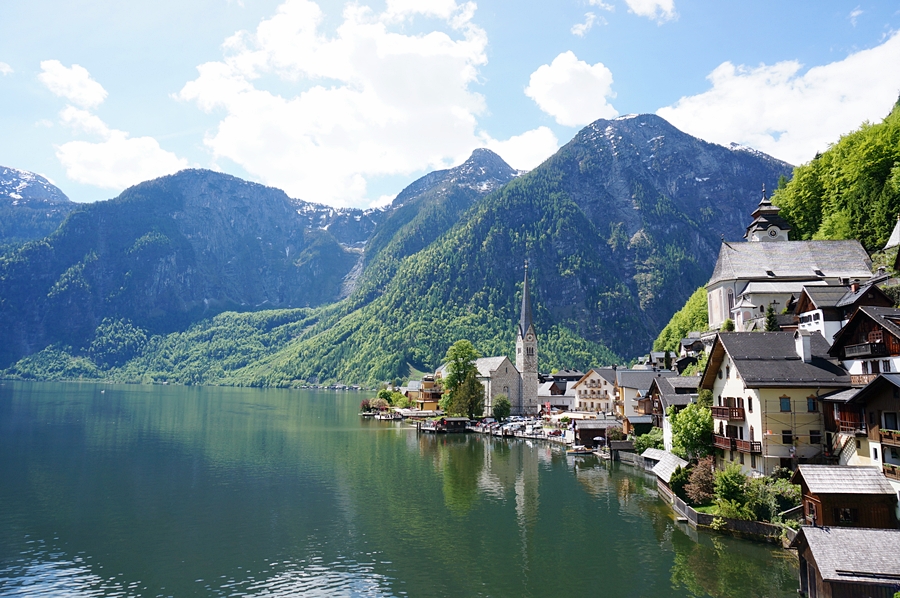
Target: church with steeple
<point>517,381</point>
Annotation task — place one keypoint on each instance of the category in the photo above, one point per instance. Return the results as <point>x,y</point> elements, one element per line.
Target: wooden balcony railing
<point>890,437</point>
<point>865,350</point>
<point>748,446</point>
<point>862,379</point>
<point>728,413</point>
<point>723,442</point>
<point>891,471</point>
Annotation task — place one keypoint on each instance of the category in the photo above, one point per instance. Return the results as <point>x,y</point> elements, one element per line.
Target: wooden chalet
<point>840,562</point>
<point>869,344</point>
<point>847,496</point>
<point>875,410</point>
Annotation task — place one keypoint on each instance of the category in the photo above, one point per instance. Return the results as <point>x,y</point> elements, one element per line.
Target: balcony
<point>891,471</point>
<point>748,446</point>
<point>723,442</point>
<point>891,437</point>
<point>728,413</point>
<point>861,379</point>
<point>865,350</point>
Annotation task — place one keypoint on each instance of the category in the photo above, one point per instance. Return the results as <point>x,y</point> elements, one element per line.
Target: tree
<point>731,484</point>
<point>460,360</point>
<point>652,439</point>
<point>771,320</point>
<point>701,487</point>
<point>502,407</point>
<point>727,325</point>
<point>667,360</point>
<point>692,429</point>
<point>692,317</point>
<point>678,481</point>
<point>468,398</point>
<point>705,397</point>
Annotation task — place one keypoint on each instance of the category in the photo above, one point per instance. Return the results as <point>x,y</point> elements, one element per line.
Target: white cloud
<point>854,14</point>
<point>5,69</point>
<point>525,151</point>
<point>366,101</point>
<point>602,5</point>
<point>118,162</point>
<point>74,84</point>
<point>82,121</point>
<point>661,10</point>
<point>382,202</point>
<point>580,29</point>
<point>572,91</point>
<point>788,114</point>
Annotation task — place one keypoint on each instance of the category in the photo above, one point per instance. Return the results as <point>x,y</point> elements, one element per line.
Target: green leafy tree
<point>692,429</point>
<point>705,397</point>
<point>731,484</point>
<point>115,342</point>
<point>502,407</point>
<point>678,481</point>
<point>771,320</point>
<point>652,439</point>
<point>460,360</point>
<point>691,317</point>
<point>727,325</point>
<point>667,360</point>
<point>468,398</point>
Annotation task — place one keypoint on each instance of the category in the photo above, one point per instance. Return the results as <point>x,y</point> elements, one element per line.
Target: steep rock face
<point>170,251</point>
<point>31,207</point>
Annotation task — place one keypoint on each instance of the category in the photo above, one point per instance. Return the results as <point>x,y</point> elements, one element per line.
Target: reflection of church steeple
<point>767,225</point>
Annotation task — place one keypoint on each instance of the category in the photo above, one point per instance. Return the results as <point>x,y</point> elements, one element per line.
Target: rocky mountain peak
<point>21,186</point>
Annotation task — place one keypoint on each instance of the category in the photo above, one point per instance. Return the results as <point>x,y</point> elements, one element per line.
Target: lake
<point>186,491</point>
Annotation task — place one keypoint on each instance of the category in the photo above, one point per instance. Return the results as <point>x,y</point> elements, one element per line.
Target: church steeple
<point>525,320</point>
<point>767,225</point>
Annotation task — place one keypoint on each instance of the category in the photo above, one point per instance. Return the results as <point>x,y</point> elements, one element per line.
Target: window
<point>731,455</point>
<point>752,460</point>
<point>785,404</point>
<point>865,367</point>
<point>728,371</point>
<point>886,366</point>
<point>720,374</point>
<point>787,437</point>
<point>844,516</point>
<point>812,405</point>
<point>815,437</point>
<point>750,404</point>
<point>751,433</point>
<point>811,509</point>
<point>890,420</point>
<point>741,458</point>
<point>874,454</point>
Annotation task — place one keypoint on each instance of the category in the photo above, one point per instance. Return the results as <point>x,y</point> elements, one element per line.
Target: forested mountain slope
<point>31,207</point>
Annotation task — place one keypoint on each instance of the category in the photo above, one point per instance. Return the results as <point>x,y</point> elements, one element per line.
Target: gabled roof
<point>797,260</point>
<point>887,317</point>
<point>676,400</point>
<point>875,387</point>
<point>640,379</point>
<point>654,454</point>
<point>486,365</point>
<point>597,424</point>
<point>820,297</point>
<point>854,555</point>
<point>840,396</point>
<point>667,465</point>
<point>871,293</point>
<point>770,360</point>
<point>842,479</point>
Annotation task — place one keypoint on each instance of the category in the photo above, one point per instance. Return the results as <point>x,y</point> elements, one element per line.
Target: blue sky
<point>346,103</point>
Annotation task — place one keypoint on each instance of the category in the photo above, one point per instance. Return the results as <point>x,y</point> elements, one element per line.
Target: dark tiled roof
<point>640,379</point>
<point>840,396</point>
<point>770,359</point>
<point>888,317</point>
<point>875,387</point>
<point>676,400</point>
<point>597,424</point>
<point>854,555</point>
<point>822,297</point>
<point>667,465</point>
<point>607,374</point>
<point>791,259</point>
<point>842,479</point>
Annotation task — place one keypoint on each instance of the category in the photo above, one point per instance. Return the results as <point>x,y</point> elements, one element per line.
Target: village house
<point>586,430</point>
<point>838,562</point>
<point>663,464</point>
<point>424,393</point>
<point>596,390</point>
<point>770,270</point>
<point>766,388</point>
<point>869,344</point>
<point>557,394</point>
<point>631,386</point>
<point>676,392</point>
<point>828,309</point>
<point>846,496</point>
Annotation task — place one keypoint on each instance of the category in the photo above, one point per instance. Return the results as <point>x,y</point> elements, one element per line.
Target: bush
<point>731,484</point>
<point>701,488</point>
<point>727,325</point>
<point>652,439</point>
<point>733,509</point>
<point>679,480</point>
<point>502,408</point>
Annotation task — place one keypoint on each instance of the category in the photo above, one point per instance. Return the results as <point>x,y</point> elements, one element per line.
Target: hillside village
<point>797,377</point>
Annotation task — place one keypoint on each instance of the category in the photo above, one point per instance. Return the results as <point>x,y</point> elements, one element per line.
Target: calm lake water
<point>172,491</point>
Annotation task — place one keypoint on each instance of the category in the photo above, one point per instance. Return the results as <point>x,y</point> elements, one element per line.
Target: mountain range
<point>31,207</point>
<point>619,228</point>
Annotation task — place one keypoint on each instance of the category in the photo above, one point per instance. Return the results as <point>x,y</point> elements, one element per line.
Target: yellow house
<point>766,388</point>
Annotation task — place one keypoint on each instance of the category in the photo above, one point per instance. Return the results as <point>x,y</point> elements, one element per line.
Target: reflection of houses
<point>674,391</point>
<point>846,496</point>
<point>596,390</point>
<point>769,269</point>
<point>766,388</point>
<point>631,386</point>
<point>848,562</point>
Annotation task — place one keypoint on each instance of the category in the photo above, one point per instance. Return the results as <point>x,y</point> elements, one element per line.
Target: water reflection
<point>173,491</point>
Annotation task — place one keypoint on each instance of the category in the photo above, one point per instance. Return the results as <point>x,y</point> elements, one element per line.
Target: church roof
<point>798,260</point>
<point>526,319</point>
<point>486,365</point>
<point>894,239</point>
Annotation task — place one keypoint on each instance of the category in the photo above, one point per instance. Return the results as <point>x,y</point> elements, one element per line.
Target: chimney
<point>854,287</point>
<point>802,345</point>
